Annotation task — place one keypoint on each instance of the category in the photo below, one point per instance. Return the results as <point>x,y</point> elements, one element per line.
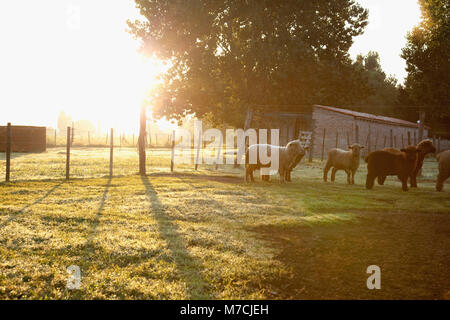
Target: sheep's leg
<point>348,172</point>
<point>251,176</point>
<point>370,180</point>
<point>325,171</point>
<point>381,180</point>
<point>440,182</point>
<point>413,180</point>
<point>404,181</point>
<point>333,174</point>
<point>353,176</point>
<point>282,173</point>
<point>288,175</point>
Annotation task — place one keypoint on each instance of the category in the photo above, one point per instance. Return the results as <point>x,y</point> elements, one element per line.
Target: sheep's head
<point>295,149</point>
<point>426,146</point>
<point>356,148</point>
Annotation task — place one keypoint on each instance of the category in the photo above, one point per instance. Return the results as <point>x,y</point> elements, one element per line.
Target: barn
<point>24,139</point>
<point>336,127</point>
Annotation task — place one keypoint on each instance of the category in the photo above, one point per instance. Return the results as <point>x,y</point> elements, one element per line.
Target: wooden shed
<point>24,139</point>
<point>336,127</point>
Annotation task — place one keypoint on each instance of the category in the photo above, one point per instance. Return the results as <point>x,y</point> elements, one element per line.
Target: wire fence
<point>82,155</point>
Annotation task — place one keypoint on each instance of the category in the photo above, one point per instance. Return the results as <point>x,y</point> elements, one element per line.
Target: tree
<point>230,55</point>
<point>427,55</point>
<point>383,96</point>
<point>64,121</point>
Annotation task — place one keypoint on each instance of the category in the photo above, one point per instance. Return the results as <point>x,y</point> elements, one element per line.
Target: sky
<point>389,22</point>
<point>76,56</point>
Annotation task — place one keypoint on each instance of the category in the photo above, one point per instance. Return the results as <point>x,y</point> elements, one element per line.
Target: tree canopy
<point>229,55</point>
<point>383,89</point>
<point>427,56</point>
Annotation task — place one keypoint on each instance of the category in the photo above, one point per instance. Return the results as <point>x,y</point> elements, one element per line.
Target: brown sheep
<point>339,159</point>
<point>286,157</point>
<point>391,163</point>
<point>444,169</point>
<point>425,147</point>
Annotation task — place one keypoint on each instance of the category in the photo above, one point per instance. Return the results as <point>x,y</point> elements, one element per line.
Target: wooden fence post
<point>111,151</point>
<point>69,140</point>
<point>368,142</point>
<point>323,143</point>
<point>384,145</point>
<point>348,139</point>
<point>8,151</point>
<point>376,141</point>
<point>395,141</point>
<point>439,144</point>
<point>415,138</point>
<point>199,146</point>
<point>55,137</point>
<point>337,139</point>
<point>409,138</point>
<point>311,143</point>
<point>219,152</point>
<point>392,139</point>
<point>172,157</point>
<point>356,134</point>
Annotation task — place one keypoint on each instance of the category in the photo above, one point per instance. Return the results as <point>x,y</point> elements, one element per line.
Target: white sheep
<point>287,157</point>
<point>348,161</point>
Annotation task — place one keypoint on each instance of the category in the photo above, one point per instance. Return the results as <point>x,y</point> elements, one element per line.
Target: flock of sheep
<point>404,163</point>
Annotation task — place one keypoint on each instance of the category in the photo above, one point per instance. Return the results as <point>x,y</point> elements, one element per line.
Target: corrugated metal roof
<point>371,117</point>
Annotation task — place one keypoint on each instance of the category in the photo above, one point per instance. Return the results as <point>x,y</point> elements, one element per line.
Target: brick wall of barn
<point>24,139</point>
<point>375,135</point>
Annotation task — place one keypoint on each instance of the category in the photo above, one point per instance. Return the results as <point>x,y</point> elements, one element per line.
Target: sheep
<point>391,163</point>
<point>425,147</point>
<point>292,166</point>
<point>286,158</point>
<point>295,163</point>
<point>444,169</point>
<point>339,159</point>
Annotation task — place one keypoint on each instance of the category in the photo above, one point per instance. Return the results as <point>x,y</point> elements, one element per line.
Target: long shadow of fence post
<point>17,213</point>
<point>93,229</point>
<point>189,268</point>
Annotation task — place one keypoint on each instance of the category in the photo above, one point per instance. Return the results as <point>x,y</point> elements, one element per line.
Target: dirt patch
<point>330,261</point>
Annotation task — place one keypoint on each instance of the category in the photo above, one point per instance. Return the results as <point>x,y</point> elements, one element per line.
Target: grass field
<point>208,235</point>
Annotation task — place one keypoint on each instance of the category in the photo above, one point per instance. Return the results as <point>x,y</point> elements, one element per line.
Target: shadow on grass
<point>219,178</point>
<point>188,267</point>
<point>14,155</point>
<point>94,225</point>
<point>17,213</point>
